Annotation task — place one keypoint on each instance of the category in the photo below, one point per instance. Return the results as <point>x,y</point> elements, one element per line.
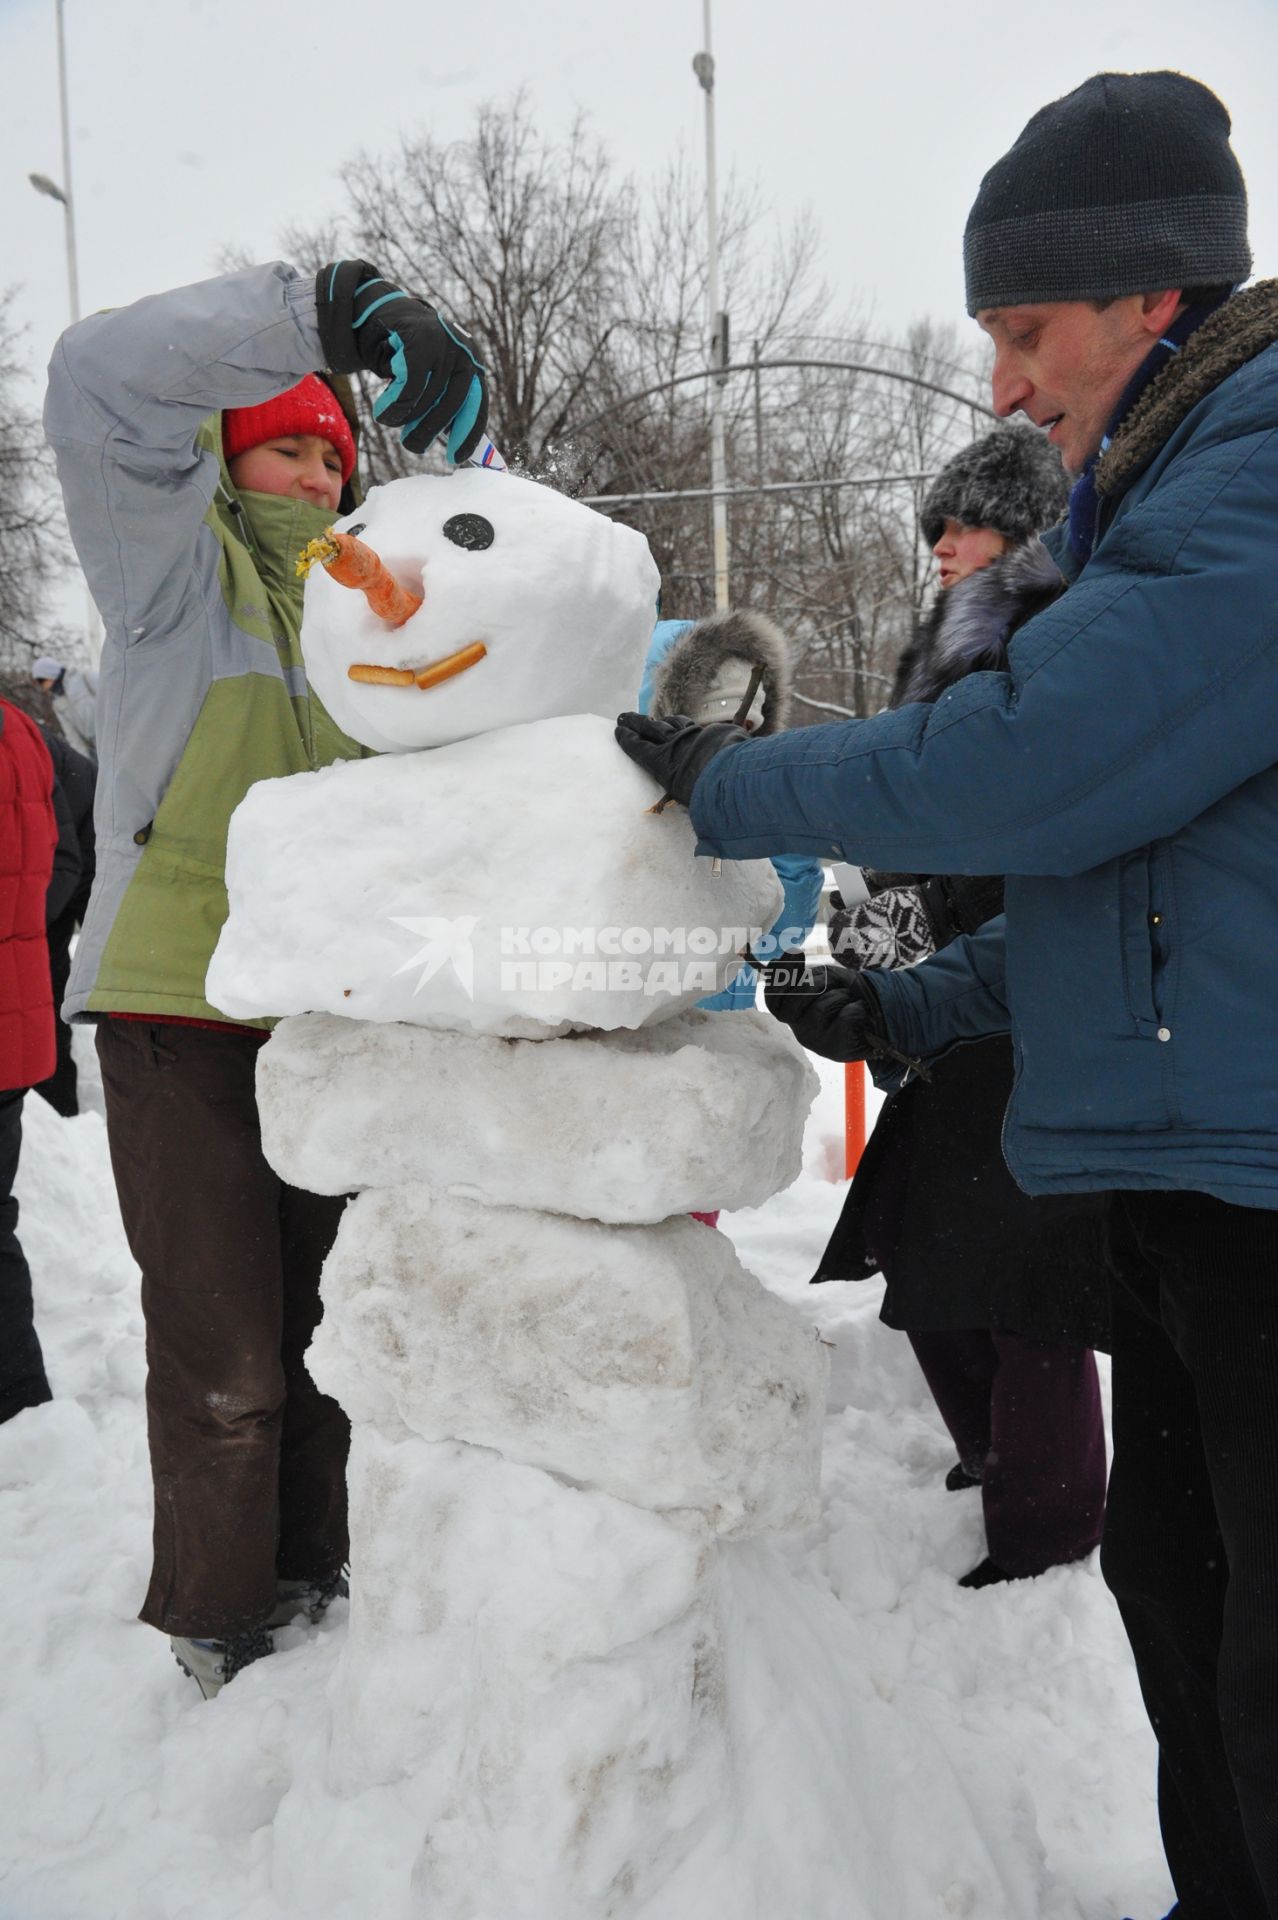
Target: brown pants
<point>248,1458</point>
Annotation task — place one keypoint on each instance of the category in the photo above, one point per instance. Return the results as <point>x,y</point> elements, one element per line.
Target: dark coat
<point>933,1206</point>
<point>935,1210</point>
<point>1122,774</point>
<point>75,781</point>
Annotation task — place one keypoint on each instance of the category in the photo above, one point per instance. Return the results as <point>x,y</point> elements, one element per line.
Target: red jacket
<point>28,835</point>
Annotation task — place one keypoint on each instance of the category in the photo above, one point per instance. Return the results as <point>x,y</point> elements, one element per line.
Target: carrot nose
<point>348,561</point>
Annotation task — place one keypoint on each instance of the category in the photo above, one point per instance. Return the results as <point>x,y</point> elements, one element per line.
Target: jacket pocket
<point>1137,933</point>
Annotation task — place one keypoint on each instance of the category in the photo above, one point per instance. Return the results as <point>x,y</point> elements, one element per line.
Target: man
<point>1121,773</point>
<point>74,693</point>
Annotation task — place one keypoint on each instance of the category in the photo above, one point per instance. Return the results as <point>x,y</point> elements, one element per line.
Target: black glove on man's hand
<point>675,751</point>
<point>830,1010</point>
<point>367,324</point>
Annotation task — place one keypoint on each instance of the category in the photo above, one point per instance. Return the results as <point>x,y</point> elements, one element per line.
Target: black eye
<point>469,530</point>
<point>357,529</point>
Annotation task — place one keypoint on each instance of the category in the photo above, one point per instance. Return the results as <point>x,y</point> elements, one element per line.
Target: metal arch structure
<point>755,492</point>
<point>772,366</point>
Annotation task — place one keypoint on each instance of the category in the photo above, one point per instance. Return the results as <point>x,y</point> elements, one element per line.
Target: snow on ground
<point>126,1795</point>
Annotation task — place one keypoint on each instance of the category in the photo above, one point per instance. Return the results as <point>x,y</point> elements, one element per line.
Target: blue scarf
<point>1084,501</point>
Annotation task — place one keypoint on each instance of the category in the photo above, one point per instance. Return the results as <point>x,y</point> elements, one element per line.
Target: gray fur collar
<point>683,678</point>
<point>1227,340</point>
<point>971,623</point>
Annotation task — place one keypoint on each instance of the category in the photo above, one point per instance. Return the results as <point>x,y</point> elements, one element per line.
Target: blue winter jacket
<point>1122,774</point>
<point>801,879</point>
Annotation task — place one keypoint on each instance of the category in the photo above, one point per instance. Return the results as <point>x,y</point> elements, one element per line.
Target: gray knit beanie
<point>1127,185</point>
<point>1012,480</point>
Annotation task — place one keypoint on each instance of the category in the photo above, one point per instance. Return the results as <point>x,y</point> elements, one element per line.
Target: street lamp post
<point>62,194</point>
<point>42,183</point>
<point>703,67</point>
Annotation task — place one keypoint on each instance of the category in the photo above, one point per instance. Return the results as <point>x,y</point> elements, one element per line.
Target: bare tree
<point>586,293</point>
<point>518,237</point>
<point>32,537</point>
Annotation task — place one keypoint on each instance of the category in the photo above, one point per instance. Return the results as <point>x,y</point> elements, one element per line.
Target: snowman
<point>568,1399</point>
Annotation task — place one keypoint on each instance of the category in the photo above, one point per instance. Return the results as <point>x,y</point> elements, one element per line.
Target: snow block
<point>539,1669</point>
<point>702,1111</point>
<point>642,1361</point>
<point>513,884</point>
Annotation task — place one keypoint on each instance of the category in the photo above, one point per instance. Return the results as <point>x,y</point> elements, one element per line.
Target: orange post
<point>853,1116</point>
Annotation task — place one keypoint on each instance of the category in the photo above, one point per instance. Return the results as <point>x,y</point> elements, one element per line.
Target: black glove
<point>959,903</point>
<point>675,751</point>
<point>830,1010</point>
<point>436,382</point>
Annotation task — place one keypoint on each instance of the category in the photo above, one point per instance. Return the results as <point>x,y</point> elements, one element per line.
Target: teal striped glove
<point>435,381</point>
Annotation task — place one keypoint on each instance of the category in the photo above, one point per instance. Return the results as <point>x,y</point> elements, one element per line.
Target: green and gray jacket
<point>203,690</point>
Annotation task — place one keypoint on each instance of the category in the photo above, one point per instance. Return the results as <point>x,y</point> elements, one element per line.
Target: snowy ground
<point>124,1795</point>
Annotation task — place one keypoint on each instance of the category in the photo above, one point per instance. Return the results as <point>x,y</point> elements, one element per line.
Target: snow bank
<point>697,1113</point>
<point>430,888</point>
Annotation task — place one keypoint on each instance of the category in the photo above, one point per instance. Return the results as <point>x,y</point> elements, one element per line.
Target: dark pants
<point>248,1458</point>
<point>22,1376</point>
<point>60,1088</point>
<point>1191,1541</point>
<point>1027,1413</point>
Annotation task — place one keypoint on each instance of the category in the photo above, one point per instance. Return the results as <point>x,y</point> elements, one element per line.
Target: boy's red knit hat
<point>309,407</point>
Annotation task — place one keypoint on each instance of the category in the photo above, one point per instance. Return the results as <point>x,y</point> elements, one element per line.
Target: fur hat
<point>690,670</point>
<point>309,407</point>
<point>1012,480</point>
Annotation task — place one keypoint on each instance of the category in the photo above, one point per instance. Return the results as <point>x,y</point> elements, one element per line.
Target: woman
<point>1002,1296</point>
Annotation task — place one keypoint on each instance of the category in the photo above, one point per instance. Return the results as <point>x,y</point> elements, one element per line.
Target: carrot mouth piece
<point>424,677</point>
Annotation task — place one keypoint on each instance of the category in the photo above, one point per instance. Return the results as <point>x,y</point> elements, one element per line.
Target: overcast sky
<point>199,124</point>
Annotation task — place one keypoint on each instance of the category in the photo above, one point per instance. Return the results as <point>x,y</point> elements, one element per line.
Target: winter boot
<point>988,1573</point>
<point>211,1663</point>
<point>310,1597</point>
<point>960,1476</point>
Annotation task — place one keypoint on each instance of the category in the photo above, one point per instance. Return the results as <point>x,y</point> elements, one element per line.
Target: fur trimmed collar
<point>683,678</point>
<point>1227,340</point>
<point>970,624</point>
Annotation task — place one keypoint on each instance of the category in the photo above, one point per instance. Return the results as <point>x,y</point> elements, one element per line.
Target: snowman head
<point>549,604</point>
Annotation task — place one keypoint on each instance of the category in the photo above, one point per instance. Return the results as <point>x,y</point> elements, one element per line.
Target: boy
<point>198,453</point>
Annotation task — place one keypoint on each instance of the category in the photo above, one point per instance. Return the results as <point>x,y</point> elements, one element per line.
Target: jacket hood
<point>970,624</point>
<point>229,498</point>
<point>272,527</point>
<point>1226,341</point>
<point>682,678</point>
<point>276,530</point>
